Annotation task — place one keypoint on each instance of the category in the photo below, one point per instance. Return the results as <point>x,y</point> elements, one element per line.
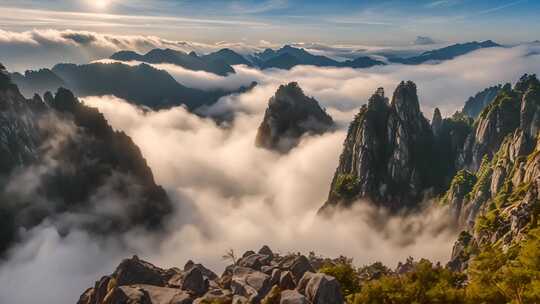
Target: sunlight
<point>101,4</point>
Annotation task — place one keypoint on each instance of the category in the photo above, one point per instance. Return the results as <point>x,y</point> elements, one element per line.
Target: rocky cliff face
<point>58,156</point>
<point>263,277</point>
<point>386,154</point>
<point>476,104</point>
<point>499,202</point>
<point>291,114</point>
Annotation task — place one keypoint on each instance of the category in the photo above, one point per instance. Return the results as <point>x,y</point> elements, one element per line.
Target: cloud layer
<point>40,48</point>
<point>33,49</point>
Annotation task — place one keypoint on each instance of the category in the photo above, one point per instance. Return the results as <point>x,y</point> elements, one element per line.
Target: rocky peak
<point>512,109</point>
<point>530,111</point>
<point>291,114</point>
<point>500,202</point>
<point>436,121</point>
<point>385,154</point>
<point>405,102</point>
<point>525,82</point>
<point>477,103</point>
<point>33,132</point>
<point>4,77</point>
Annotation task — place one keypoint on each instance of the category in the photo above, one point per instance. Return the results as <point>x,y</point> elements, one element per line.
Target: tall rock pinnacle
<point>291,114</point>
<point>386,154</point>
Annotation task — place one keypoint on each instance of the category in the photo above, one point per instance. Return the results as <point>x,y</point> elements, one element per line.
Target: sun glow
<point>101,4</point>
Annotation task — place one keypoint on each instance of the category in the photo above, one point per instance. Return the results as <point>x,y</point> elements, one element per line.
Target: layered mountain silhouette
<point>288,57</point>
<point>37,82</point>
<point>291,114</point>
<point>228,56</point>
<point>446,53</point>
<point>218,63</point>
<point>79,166</point>
<point>142,84</point>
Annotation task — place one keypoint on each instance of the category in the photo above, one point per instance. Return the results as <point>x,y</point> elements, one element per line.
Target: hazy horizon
<point>284,21</point>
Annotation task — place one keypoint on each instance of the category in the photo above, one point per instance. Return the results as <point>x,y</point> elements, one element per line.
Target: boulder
<point>250,283</point>
<point>286,281</point>
<point>239,300</point>
<point>248,253</point>
<point>268,269</point>
<point>275,277</point>
<point>292,297</point>
<point>207,273</point>
<point>297,265</point>
<point>265,250</point>
<point>215,296</point>
<point>255,261</point>
<point>128,295</point>
<point>147,294</point>
<point>194,282</point>
<point>135,271</point>
<point>302,284</point>
<point>273,297</point>
<point>323,289</point>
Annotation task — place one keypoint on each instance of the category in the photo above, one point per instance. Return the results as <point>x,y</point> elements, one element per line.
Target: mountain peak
<point>436,121</point>
<point>405,101</point>
<point>5,80</point>
<point>291,114</point>
<point>385,154</point>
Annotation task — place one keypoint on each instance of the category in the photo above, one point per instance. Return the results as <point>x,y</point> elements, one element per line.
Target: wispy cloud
<point>501,7</point>
<point>68,18</point>
<point>241,7</point>
<point>442,3</point>
<point>358,21</point>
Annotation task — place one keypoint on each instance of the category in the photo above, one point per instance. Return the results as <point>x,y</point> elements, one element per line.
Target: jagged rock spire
<point>436,122</point>
<point>386,152</point>
<point>291,114</point>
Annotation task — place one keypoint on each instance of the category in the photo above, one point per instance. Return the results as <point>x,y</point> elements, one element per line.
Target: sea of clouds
<point>41,48</point>
<point>229,194</point>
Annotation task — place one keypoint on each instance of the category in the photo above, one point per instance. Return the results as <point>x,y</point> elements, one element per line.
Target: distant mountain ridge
<point>37,82</point>
<point>142,85</point>
<point>214,63</point>
<point>446,53</point>
<point>288,57</point>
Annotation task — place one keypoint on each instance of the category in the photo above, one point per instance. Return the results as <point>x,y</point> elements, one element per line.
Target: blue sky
<point>281,21</point>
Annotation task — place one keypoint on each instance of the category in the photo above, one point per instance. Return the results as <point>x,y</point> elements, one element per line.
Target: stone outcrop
<point>291,114</point>
<point>386,154</point>
<point>78,160</point>
<point>292,280</point>
<point>500,201</point>
<point>477,103</point>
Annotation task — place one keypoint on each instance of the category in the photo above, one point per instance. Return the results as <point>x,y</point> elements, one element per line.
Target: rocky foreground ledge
<point>263,277</point>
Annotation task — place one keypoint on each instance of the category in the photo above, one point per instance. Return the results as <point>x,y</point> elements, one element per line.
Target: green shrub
<point>346,275</point>
<point>346,185</point>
